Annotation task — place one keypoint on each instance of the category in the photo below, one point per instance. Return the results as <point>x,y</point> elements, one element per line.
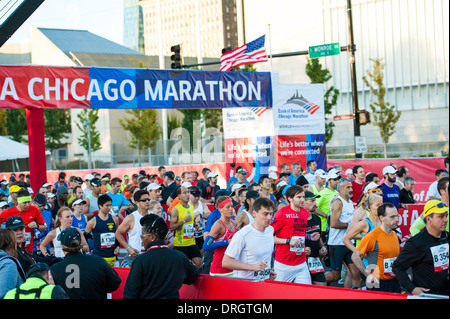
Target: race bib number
<point>262,275</point>
<point>301,247</point>
<point>114,211</point>
<point>27,240</point>
<point>388,267</point>
<point>188,231</point>
<point>315,265</point>
<point>107,240</point>
<point>440,257</point>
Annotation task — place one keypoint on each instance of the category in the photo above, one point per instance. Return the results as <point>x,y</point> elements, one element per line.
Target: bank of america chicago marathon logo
<point>300,101</point>
<point>308,106</point>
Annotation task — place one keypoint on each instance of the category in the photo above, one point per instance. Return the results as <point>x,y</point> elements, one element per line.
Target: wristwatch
<point>288,241</point>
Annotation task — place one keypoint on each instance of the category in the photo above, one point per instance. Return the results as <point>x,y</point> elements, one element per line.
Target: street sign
<point>320,51</point>
<point>343,117</point>
<point>360,145</point>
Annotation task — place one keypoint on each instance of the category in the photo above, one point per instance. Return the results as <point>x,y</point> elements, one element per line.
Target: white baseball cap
<point>273,169</point>
<point>211,175</point>
<point>282,183</point>
<point>321,173</point>
<point>349,171</point>
<point>89,177</point>
<point>273,176</point>
<point>332,175</point>
<point>78,202</point>
<point>371,186</point>
<point>236,186</point>
<point>389,170</point>
<point>153,186</point>
<point>186,185</point>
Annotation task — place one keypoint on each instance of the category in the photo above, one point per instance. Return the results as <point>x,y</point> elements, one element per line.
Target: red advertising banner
<point>44,87</point>
<point>291,149</point>
<point>421,169</point>
<point>407,218</point>
<point>207,287</point>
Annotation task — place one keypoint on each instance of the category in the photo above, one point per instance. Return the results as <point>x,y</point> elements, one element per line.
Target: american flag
<point>249,53</point>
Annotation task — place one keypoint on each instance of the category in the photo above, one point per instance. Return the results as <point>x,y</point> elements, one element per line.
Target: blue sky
<point>102,17</point>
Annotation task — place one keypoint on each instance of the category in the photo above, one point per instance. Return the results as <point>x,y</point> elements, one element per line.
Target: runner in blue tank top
<point>103,227</point>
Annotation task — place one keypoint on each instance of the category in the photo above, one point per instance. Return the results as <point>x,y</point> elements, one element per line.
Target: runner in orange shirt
<point>382,247</point>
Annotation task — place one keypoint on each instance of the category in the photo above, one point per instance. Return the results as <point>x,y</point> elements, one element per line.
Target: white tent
<point>11,150</point>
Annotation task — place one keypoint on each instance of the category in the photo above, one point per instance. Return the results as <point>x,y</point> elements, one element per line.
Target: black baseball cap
<point>195,191</point>
<point>252,194</point>
<point>70,237</point>
<point>37,267</point>
<point>40,199</point>
<point>310,195</point>
<point>221,192</point>
<point>301,181</point>
<point>96,182</point>
<point>14,222</point>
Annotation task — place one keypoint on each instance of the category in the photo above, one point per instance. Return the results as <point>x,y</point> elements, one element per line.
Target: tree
<point>317,74</point>
<point>83,140</point>
<point>385,116</point>
<point>191,116</point>
<point>16,124</point>
<point>144,128</point>
<point>173,122</point>
<point>57,122</point>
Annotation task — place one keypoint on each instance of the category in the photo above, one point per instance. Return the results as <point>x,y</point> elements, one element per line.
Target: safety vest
<point>33,288</point>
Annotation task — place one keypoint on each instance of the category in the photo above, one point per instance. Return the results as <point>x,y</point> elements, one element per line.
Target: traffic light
<point>364,117</point>
<point>226,50</point>
<point>176,57</point>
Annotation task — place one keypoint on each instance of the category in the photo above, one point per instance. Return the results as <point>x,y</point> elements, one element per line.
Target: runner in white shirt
<point>249,253</point>
<point>131,225</point>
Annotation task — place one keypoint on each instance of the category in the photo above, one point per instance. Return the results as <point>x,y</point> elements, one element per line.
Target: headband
<point>24,199</point>
<point>226,201</point>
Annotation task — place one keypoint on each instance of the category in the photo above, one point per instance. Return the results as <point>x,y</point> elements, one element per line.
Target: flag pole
<point>270,49</point>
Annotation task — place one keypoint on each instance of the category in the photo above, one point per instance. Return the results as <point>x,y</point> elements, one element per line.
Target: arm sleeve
<point>418,225</point>
<point>210,245</point>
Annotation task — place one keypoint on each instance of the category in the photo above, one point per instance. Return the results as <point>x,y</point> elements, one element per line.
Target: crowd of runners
<point>295,224</point>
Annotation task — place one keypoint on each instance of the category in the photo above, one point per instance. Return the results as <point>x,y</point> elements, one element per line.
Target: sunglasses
<point>438,205</point>
<point>145,200</point>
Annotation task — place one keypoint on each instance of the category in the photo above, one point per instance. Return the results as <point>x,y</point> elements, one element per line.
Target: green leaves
<point>83,140</point>
<point>385,115</point>
<point>314,70</point>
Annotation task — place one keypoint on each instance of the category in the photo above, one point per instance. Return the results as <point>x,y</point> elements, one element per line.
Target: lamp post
<point>352,50</point>
<point>88,125</point>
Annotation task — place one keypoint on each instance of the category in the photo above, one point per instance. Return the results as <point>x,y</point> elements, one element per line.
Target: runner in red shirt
<point>358,183</point>
<point>31,216</point>
<point>289,225</point>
